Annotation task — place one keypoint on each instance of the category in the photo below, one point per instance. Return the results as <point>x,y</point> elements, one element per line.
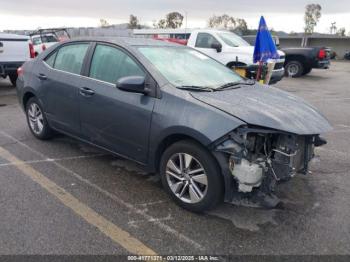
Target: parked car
<point>210,134</point>
<point>224,46</point>
<point>14,51</point>
<point>301,60</point>
<point>44,38</point>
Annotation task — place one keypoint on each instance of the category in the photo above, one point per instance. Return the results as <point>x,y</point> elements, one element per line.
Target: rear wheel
<point>294,69</point>
<point>191,176</point>
<point>36,119</point>
<point>13,79</point>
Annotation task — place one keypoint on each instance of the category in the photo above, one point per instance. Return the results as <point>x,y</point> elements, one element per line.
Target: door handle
<point>86,91</point>
<point>42,77</point>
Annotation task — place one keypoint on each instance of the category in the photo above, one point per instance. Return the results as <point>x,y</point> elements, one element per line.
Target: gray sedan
<point>211,135</point>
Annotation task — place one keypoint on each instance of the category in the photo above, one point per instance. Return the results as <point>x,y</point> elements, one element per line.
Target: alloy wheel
<point>292,69</point>
<point>36,119</point>
<point>186,178</point>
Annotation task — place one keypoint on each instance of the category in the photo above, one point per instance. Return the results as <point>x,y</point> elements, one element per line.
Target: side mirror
<point>217,47</point>
<point>133,84</point>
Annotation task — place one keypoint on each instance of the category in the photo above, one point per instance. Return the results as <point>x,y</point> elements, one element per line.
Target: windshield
<point>233,40</point>
<point>188,67</point>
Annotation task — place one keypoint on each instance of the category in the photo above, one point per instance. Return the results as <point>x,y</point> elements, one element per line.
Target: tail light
<point>31,50</point>
<point>43,47</point>
<point>322,54</point>
<point>20,71</point>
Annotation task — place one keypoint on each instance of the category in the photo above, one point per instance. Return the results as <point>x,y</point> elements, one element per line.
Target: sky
<point>280,15</point>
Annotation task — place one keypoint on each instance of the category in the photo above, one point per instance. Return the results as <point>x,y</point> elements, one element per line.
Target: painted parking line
<point>140,211</point>
<point>112,231</point>
<point>48,160</point>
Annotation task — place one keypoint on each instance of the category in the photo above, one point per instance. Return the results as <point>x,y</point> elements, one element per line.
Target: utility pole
<point>333,28</point>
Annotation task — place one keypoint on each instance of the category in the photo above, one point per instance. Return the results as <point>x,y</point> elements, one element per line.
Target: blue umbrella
<point>265,47</point>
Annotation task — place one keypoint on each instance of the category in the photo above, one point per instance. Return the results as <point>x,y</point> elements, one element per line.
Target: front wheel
<point>36,119</point>
<point>191,176</point>
<point>294,69</point>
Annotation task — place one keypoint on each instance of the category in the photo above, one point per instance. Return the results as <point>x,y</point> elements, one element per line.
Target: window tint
<point>70,58</point>
<point>205,40</point>
<point>109,64</point>
<point>51,59</point>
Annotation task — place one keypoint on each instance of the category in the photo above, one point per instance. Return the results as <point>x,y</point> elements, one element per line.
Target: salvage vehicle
<point>210,134</point>
<point>301,60</point>
<point>226,47</point>
<point>14,51</point>
<point>44,38</point>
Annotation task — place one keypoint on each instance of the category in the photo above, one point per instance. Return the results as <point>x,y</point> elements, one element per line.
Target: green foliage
<point>227,22</point>
<point>171,20</point>
<point>311,18</point>
<point>134,22</point>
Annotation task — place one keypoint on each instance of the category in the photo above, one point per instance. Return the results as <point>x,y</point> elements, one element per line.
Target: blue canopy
<point>265,47</point>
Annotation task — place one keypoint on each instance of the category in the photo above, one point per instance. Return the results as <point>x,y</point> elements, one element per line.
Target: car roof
<point>128,41</point>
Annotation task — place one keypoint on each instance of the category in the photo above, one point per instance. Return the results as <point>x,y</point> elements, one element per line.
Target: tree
<point>341,31</point>
<point>161,24</point>
<point>222,21</point>
<point>241,26</point>
<point>225,21</point>
<point>174,20</point>
<point>103,22</point>
<point>171,20</point>
<point>134,22</point>
<point>311,18</point>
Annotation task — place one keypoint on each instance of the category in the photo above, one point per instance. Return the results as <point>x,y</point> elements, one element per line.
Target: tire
<point>208,182</point>
<point>36,120</point>
<point>294,69</point>
<point>307,71</point>
<point>13,79</point>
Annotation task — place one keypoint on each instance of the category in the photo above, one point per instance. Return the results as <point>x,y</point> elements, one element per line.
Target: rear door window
<point>70,58</point>
<point>110,63</point>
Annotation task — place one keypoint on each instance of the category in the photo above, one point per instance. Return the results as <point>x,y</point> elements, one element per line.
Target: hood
<point>247,50</point>
<point>268,107</point>
<point>242,49</point>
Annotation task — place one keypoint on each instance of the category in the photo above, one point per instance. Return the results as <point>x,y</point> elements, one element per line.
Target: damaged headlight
<point>260,157</point>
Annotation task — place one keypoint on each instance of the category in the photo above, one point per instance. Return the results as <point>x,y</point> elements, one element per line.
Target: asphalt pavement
<point>64,197</point>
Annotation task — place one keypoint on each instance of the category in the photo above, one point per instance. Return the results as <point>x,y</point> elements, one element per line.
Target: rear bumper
<point>323,64</point>
<point>9,67</point>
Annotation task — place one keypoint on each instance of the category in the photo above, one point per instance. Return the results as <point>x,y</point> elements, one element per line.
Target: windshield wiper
<point>197,88</point>
<point>232,85</point>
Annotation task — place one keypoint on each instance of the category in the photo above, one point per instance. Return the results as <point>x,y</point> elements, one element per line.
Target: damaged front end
<point>257,159</point>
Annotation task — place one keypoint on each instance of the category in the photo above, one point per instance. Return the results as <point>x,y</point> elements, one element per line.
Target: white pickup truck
<point>14,51</point>
<point>224,46</point>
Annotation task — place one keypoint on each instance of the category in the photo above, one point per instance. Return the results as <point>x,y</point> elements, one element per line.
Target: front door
<point>112,118</point>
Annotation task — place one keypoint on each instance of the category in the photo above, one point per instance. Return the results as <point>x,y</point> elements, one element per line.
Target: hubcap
<point>186,178</point>
<point>293,69</point>
<point>36,120</point>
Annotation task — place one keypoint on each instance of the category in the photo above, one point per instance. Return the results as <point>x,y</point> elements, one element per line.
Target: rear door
<point>112,118</point>
<point>61,79</point>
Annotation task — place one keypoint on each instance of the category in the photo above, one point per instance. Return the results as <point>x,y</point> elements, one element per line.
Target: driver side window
<point>109,64</point>
<point>205,40</point>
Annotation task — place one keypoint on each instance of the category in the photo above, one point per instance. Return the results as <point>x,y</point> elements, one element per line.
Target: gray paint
<point>268,107</point>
